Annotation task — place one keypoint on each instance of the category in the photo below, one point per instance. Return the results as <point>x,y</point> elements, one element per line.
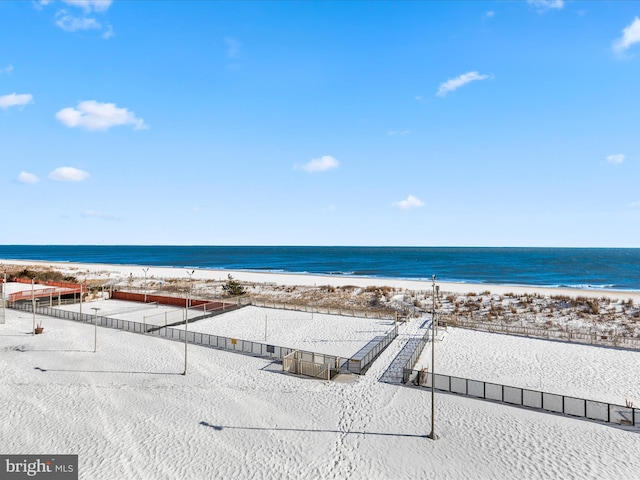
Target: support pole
<point>33,305</point>
<point>4,299</point>
<point>145,270</point>
<point>433,435</point>
<point>95,328</point>
<point>186,320</point>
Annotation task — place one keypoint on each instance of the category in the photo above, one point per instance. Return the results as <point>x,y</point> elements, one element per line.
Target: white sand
<point>597,373</point>
<point>320,333</point>
<point>128,413</point>
<point>284,328</point>
<point>85,270</point>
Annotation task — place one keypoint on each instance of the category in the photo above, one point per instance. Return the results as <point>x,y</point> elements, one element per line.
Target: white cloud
<point>630,35</point>
<point>399,132</point>
<point>8,69</point>
<point>68,174</point>
<point>15,100</point>
<point>490,14</point>
<point>89,5</point>
<point>26,177</point>
<point>455,83</point>
<point>99,215</point>
<point>321,164</point>
<point>233,47</point>
<point>108,33</point>
<point>92,115</point>
<point>69,23</point>
<point>38,4</point>
<point>409,202</point>
<point>547,4</point>
<point>616,159</point>
<point>635,204</point>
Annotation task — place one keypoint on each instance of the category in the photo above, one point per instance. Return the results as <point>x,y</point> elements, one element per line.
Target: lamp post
<point>186,319</point>
<point>3,298</point>
<point>95,328</point>
<point>81,299</point>
<point>33,305</point>
<point>190,273</point>
<point>145,270</point>
<point>433,435</point>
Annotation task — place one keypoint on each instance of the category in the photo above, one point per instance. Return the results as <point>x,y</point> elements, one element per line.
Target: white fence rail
<point>555,334</point>
<point>294,363</point>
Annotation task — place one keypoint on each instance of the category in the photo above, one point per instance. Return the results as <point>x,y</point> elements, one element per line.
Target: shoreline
<point>94,271</point>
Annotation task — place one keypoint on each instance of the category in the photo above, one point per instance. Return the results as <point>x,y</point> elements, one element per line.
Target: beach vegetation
<point>45,275</point>
<point>233,287</point>
<point>593,307</point>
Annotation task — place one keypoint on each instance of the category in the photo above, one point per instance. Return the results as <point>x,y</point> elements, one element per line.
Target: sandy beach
<point>102,271</point>
<point>127,411</point>
<point>603,314</point>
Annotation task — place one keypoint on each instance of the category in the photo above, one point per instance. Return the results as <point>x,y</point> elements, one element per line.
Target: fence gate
<point>293,363</point>
<point>288,362</point>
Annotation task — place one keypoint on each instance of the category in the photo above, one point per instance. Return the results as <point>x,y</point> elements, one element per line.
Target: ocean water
<point>605,268</point>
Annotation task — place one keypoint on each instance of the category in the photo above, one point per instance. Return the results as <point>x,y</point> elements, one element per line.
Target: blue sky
<point>504,123</point>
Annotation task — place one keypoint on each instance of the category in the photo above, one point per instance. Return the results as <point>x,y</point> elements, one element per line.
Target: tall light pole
<point>95,328</point>
<point>33,304</point>
<point>4,298</point>
<point>186,319</point>
<point>145,270</point>
<point>190,273</point>
<point>81,300</point>
<point>433,435</point>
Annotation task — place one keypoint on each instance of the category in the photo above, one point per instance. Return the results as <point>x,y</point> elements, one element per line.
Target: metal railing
<point>593,338</point>
<point>322,310</point>
<point>178,334</point>
<point>551,402</point>
<point>58,289</point>
<point>360,363</point>
<point>417,353</point>
<point>176,317</point>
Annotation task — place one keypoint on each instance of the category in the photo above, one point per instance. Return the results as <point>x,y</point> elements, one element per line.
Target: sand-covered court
<point>583,371</point>
<point>128,411</point>
<point>315,332</point>
<point>149,313</point>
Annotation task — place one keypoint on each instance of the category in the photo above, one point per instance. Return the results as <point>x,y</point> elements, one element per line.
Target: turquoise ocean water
<point>604,268</point>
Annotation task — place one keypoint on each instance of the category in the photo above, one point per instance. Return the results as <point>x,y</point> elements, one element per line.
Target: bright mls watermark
<point>50,467</point>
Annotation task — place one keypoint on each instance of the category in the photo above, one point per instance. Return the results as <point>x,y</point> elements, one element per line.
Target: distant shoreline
<point>93,270</point>
<point>577,268</point>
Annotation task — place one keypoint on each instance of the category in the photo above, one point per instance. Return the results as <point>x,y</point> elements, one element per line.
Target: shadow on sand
<point>276,429</point>
<point>103,371</point>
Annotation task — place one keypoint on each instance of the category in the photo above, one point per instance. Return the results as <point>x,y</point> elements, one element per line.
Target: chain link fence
<point>354,365</point>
